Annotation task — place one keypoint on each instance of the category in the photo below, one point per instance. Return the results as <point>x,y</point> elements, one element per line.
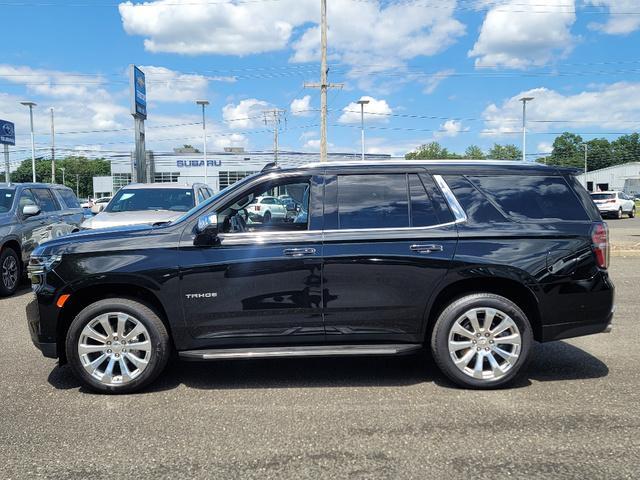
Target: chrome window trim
<point>457,210</point>
<point>265,238</point>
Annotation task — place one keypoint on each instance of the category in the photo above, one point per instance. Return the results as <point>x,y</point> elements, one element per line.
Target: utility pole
<point>362,103</point>
<point>204,103</point>
<point>323,85</point>
<point>524,101</point>
<point>53,149</point>
<point>78,185</point>
<point>586,147</point>
<point>274,116</point>
<point>63,169</point>
<point>33,146</point>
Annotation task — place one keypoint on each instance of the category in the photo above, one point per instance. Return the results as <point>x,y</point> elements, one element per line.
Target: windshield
<point>141,199</point>
<point>602,196</point>
<point>6,199</point>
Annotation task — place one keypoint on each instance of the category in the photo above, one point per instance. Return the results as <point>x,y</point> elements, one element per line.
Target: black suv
<point>473,259</point>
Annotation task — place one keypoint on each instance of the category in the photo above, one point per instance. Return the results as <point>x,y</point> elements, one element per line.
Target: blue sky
<point>444,70</point>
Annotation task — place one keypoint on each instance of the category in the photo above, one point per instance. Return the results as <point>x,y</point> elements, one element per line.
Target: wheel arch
<point>84,297</point>
<point>511,289</point>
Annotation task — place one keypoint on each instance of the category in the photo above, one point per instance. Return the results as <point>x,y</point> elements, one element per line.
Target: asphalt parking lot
<point>624,234</point>
<point>574,415</point>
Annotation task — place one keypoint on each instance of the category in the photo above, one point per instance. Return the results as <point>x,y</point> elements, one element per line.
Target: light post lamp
<point>33,147</point>
<point>362,103</point>
<point>204,103</point>
<point>524,101</point>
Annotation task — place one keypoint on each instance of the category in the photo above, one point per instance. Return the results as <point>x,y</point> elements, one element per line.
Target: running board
<point>309,351</point>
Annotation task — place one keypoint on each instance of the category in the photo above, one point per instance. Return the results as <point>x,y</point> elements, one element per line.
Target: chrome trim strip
<point>264,238</point>
<point>309,351</point>
<point>458,212</point>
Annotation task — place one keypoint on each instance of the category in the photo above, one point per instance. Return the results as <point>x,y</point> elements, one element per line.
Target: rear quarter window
<point>476,205</point>
<point>532,198</point>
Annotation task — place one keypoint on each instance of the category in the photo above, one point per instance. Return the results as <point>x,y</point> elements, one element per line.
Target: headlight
<point>39,264</point>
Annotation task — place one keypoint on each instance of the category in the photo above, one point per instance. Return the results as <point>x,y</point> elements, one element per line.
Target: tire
<point>10,272</point>
<point>267,218</point>
<point>632,213</point>
<point>486,343</point>
<point>144,363</point>
<point>619,215</point>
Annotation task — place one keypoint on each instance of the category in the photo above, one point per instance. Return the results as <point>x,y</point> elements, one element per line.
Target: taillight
<point>600,244</point>
<point>610,201</point>
<point>257,208</point>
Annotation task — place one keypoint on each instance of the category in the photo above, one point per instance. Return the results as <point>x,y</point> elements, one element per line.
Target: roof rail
<point>270,166</point>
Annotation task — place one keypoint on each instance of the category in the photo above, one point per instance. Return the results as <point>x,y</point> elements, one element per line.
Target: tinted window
<point>69,198</point>
<point>26,198</point>
<point>475,205</point>
<point>45,199</point>
<point>532,198</point>
<point>6,199</point>
<point>201,197</point>
<point>137,199</point>
<point>372,201</point>
<point>422,211</point>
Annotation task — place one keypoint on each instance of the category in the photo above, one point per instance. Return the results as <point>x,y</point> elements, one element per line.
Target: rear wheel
<point>267,217</point>
<point>619,215</point>
<point>632,213</point>
<point>117,345</point>
<point>481,341</point>
<point>9,272</point>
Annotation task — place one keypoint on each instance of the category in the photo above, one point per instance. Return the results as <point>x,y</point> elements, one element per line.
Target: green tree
<point>431,151</point>
<point>599,154</point>
<point>504,152</point>
<point>474,152</point>
<point>568,151</point>
<point>626,149</point>
<point>79,172</point>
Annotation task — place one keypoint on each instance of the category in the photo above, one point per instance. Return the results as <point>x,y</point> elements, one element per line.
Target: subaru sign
<point>7,133</point>
<point>138,93</point>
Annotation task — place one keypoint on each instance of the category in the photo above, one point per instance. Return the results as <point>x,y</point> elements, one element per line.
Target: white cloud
<point>590,108</point>
<point>314,144</point>
<point>618,23</point>
<point>301,107</point>
<point>374,111</point>
<point>165,85</point>
<point>433,81</point>
<point>545,148</point>
<point>383,37</point>
<point>246,114</point>
<point>523,33</point>
<point>450,128</point>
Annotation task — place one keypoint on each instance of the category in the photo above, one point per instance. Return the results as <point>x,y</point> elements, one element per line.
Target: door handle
<point>426,248</point>
<point>299,252</point>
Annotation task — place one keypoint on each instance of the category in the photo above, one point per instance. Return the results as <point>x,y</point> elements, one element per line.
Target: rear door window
<point>373,201</point>
<point>69,199</point>
<point>532,198</point>
<point>422,209</point>
<point>45,200</point>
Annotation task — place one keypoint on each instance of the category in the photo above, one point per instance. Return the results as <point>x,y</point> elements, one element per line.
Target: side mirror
<point>97,208</point>
<point>206,230</point>
<point>30,210</point>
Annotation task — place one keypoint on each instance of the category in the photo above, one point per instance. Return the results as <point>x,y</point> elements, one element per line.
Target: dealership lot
<point>573,415</point>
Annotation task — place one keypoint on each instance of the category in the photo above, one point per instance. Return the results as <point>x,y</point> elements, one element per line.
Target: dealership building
<point>186,165</point>
<point>624,177</point>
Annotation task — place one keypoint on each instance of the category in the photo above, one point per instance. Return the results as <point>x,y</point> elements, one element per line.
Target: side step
<point>304,351</point>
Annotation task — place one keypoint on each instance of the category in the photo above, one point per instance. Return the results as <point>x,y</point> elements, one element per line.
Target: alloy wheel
<point>484,343</point>
<point>9,272</point>
<point>114,348</point>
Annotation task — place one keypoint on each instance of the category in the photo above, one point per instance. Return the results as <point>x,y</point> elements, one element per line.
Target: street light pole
<point>362,103</point>
<point>524,101</point>
<point>33,146</point>
<point>586,146</point>
<point>204,103</point>
<point>53,149</point>
<point>62,174</point>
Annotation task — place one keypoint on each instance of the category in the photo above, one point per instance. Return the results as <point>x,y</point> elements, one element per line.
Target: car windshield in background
<point>603,196</point>
<point>140,199</point>
<point>6,199</point>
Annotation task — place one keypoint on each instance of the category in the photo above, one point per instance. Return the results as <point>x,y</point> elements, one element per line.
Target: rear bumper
<point>577,329</point>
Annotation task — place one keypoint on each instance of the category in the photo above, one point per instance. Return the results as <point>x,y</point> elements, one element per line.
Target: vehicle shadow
<point>555,361</point>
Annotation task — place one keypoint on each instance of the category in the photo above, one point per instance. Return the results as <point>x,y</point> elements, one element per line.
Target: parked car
<point>100,204</point>
<point>140,203</point>
<point>614,204</point>
<point>31,213</point>
<point>266,209</point>
<point>474,260</point>
<point>288,202</point>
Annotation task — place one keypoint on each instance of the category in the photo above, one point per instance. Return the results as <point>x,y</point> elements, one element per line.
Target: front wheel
<point>117,345</point>
<point>481,341</point>
<point>619,215</point>
<point>9,271</point>
<point>632,213</point>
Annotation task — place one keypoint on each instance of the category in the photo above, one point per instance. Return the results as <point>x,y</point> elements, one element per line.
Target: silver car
<point>31,213</point>
<point>149,203</point>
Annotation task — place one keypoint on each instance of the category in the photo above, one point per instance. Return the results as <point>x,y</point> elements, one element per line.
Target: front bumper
<point>45,342</point>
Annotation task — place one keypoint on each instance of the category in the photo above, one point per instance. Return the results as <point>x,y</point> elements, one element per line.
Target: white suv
<point>267,209</point>
<point>614,203</point>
